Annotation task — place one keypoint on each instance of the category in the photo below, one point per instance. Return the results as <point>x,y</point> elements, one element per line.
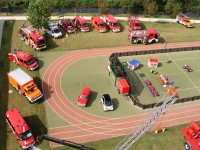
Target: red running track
<point>85,127</point>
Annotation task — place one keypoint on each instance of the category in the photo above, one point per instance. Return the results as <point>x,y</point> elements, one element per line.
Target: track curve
<point>87,127</point>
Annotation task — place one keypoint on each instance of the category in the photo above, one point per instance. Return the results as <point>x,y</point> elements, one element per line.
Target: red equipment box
<point>123,86</point>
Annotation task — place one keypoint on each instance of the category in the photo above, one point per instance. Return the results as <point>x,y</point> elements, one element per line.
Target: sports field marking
<point>180,68</point>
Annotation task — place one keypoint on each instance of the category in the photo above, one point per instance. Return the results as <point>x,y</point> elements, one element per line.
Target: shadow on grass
<point>51,42</point>
<point>41,64</point>
<point>36,125</point>
<point>93,96</point>
<point>115,103</point>
<point>162,40</point>
<point>143,26</point>
<point>4,69</point>
<point>121,27</point>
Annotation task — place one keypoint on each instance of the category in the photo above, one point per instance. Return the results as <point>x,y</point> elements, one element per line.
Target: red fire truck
<point>143,36</point>
<point>81,23</point>
<point>20,128</point>
<point>192,136</point>
<point>23,59</point>
<point>32,37</point>
<point>134,23</point>
<point>111,22</point>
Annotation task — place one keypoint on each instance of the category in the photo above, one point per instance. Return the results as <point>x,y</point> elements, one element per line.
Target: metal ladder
<point>145,126</point>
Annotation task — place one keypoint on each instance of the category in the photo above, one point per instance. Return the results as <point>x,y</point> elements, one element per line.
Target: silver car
<point>106,102</point>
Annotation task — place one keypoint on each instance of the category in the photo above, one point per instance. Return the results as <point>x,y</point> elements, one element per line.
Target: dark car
<point>106,102</point>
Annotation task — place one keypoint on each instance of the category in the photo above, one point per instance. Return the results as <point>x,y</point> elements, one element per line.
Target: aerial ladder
<point>131,138</point>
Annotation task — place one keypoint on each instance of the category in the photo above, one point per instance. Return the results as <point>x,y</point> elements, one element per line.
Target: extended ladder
<point>145,126</point>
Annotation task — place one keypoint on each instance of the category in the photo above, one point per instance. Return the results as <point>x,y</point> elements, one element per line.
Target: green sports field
<point>186,83</point>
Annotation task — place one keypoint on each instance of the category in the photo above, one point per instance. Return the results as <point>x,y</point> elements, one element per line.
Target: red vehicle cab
<point>84,97</point>
<point>134,23</point>
<point>81,23</point>
<point>98,23</point>
<point>66,25</point>
<point>123,87</point>
<point>20,128</point>
<point>111,22</point>
<point>23,59</point>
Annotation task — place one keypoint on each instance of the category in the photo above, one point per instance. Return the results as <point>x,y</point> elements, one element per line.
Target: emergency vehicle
<point>32,37</point>
<point>184,20</point>
<point>23,59</point>
<point>20,128</point>
<point>134,23</point>
<point>66,25</point>
<point>111,22</point>
<point>98,24</point>
<point>143,36</point>
<point>25,85</point>
<point>81,24</point>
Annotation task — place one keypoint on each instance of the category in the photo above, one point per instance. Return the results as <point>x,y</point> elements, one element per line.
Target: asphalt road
<point>1,29</point>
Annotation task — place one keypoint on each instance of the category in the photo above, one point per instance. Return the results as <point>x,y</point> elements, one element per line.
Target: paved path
<point>85,127</point>
<point>1,29</point>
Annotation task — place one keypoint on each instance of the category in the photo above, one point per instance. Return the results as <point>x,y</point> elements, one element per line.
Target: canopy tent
<point>133,64</point>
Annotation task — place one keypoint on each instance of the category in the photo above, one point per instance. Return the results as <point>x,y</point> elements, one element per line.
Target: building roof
<point>20,76</point>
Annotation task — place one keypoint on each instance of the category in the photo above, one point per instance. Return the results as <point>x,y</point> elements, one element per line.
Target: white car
<point>106,102</point>
<point>53,30</point>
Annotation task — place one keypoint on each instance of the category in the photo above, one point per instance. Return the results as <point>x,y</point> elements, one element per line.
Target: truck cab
<point>32,37</point>
<point>98,24</point>
<point>134,23</point>
<point>20,128</point>
<point>81,24</point>
<point>111,22</point>
<point>23,59</point>
<point>153,36</point>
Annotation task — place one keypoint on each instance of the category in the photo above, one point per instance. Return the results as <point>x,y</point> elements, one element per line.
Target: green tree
<point>39,12</point>
<point>103,6</point>
<point>173,7</point>
<point>113,3</point>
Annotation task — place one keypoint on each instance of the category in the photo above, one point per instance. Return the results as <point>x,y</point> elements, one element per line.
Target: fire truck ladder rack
<point>63,142</point>
<point>146,125</point>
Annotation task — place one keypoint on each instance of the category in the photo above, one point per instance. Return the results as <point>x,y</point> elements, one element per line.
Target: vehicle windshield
<point>101,25</point>
<point>56,31</point>
<point>83,97</point>
<point>115,24</point>
<point>137,24</point>
<point>84,25</point>
<point>31,90</point>
<point>30,61</point>
<point>26,135</point>
<point>40,42</point>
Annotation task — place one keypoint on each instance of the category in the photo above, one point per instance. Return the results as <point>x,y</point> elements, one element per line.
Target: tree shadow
<point>93,96</point>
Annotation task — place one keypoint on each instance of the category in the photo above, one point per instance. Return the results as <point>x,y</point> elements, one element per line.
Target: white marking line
<point>132,121</point>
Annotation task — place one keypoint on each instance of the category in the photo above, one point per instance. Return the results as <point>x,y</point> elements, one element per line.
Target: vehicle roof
<point>107,96</point>
<point>123,83</point>
<point>80,19</point>
<point>110,17</point>
<point>139,32</point>
<point>152,31</point>
<point>17,121</point>
<point>20,76</point>
<point>66,21</point>
<point>153,60</point>
<point>134,19</point>
<point>85,91</point>
<point>23,55</point>
<point>32,32</point>
<point>98,19</point>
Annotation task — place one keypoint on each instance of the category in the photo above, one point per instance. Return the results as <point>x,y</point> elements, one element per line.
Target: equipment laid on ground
<point>143,36</point>
<point>98,24</point>
<point>133,64</point>
<point>53,30</point>
<point>163,79</point>
<point>20,128</point>
<point>81,24</point>
<point>153,62</point>
<point>66,25</point>
<point>154,72</point>
<point>187,68</point>
<point>183,19</point>
<point>192,136</point>
<point>23,59</point>
<point>168,61</point>
<point>111,22</point>
<point>32,37</point>
<point>134,23</point>
<point>123,87</point>
<point>25,85</point>
<point>152,89</point>
<point>146,125</point>
<point>171,91</point>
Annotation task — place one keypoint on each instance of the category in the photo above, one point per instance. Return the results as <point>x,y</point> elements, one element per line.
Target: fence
<point>115,63</point>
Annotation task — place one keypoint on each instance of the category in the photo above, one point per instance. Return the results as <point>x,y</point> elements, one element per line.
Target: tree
<point>103,6</point>
<point>39,12</point>
<point>152,8</point>
<point>173,7</point>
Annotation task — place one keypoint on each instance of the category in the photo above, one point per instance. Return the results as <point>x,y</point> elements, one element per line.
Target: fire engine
<point>134,23</point>
<point>171,91</point>
<point>81,23</point>
<point>192,136</point>
<point>143,36</point>
<point>20,128</point>
<point>111,22</point>
<point>32,37</point>
<point>67,25</point>
<point>23,59</point>
<point>184,20</point>
<point>98,23</point>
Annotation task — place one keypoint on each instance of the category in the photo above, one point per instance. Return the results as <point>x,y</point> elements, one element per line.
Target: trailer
<point>123,87</point>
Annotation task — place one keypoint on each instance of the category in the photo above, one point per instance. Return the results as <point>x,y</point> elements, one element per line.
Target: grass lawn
<point>186,84</point>
<point>35,114</point>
